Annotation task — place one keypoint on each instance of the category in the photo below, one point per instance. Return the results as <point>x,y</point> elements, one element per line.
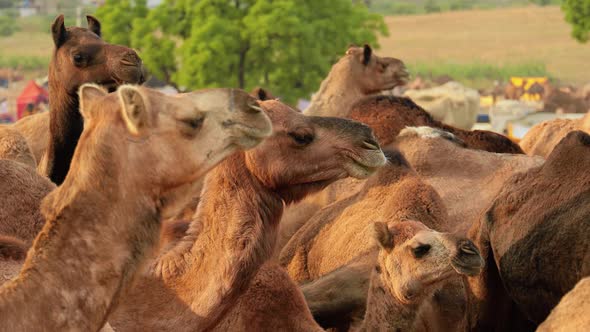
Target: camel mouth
<point>468,260</point>
<point>248,137</point>
<point>363,167</point>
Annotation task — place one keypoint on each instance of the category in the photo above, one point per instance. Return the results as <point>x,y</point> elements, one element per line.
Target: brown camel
<point>338,233</point>
<point>571,314</point>
<point>196,284</point>
<point>357,74</point>
<point>14,146</point>
<point>22,190</point>
<point>466,179</point>
<point>35,128</point>
<point>413,263</point>
<point>535,239</point>
<point>80,56</point>
<point>543,137</point>
<point>95,238</point>
<point>387,116</point>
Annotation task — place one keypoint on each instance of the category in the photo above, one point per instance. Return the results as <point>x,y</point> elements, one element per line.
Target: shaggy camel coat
<point>535,238</point>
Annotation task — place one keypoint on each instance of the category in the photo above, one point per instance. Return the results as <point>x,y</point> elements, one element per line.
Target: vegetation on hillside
<point>577,13</point>
<point>284,45</point>
<point>411,7</point>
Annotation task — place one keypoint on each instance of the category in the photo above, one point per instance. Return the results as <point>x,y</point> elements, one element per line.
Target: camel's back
<point>543,137</point>
<point>35,128</point>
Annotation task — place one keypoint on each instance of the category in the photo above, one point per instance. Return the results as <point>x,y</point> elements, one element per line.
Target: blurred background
<point>526,60</point>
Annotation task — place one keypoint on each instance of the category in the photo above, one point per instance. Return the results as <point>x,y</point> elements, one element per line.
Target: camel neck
<point>384,311</point>
<point>337,93</point>
<point>232,234</point>
<point>88,250</point>
<point>65,128</point>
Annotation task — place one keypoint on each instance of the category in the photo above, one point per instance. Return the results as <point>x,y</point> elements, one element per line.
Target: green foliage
<point>8,24</point>
<point>286,46</point>
<point>24,62</point>
<point>478,70</point>
<point>431,7</point>
<point>117,17</point>
<point>577,13</point>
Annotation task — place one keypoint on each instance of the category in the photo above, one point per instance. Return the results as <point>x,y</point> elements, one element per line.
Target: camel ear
<point>262,95</point>
<point>58,31</point>
<point>93,24</point>
<point>134,108</point>
<point>367,51</point>
<point>87,94</point>
<point>383,235</point>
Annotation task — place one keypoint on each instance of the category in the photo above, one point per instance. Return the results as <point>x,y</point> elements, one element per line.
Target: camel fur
<point>200,282</point>
<point>357,74</point>
<point>94,238</point>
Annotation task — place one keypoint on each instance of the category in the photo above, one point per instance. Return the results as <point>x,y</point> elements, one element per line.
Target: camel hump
<point>574,147</point>
<point>14,146</point>
<point>12,248</point>
<point>424,132</point>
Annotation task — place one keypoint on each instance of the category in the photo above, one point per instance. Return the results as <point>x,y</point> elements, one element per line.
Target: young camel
<point>571,314</point>
<point>357,74</point>
<point>543,137</point>
<point>95,237</point>
<point>80,56</point>
<point>413,263</point>
<point>534,237</point>
<point>195,284</point>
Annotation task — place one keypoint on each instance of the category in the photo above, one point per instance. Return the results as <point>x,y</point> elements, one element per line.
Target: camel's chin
<point>359,171</point>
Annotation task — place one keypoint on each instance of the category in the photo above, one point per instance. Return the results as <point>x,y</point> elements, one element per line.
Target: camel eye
<point>421,250</point>
<point>301,139</point>
<point>78,59</point>
<point>194,123</point>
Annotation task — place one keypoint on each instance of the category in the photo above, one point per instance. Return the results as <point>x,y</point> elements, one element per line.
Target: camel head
<point>373,73</point>
<point>81,56</point>
<point>306,153</point>
<point>173,140</point>
<point>414,260</point>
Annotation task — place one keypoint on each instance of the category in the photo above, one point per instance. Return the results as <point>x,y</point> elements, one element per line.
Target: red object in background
<point>32,94</point>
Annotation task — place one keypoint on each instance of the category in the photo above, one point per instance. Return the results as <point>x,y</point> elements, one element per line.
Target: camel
<point>466,179</point>
<point>541,139</point>
<point>22,190</point>
<point>196,283</point>
<point>413,263</point>
<point>35,128</point>
<point>80,56</point>
<point>338,233</point>
<point>14,146</point>
<point>571,314</point>
<point>535,238</point>
<point>387,116</point>
<point>95,238</point>
<point>357,74</point>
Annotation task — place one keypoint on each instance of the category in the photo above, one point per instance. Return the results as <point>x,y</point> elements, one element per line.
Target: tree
<point>577,13</point>
<point>286,46</point>
<point>117,18</point>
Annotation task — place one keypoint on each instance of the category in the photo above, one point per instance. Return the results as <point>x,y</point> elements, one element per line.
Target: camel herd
<point>125,209</point>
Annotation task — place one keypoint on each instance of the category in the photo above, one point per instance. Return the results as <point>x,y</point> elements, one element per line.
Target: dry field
<point>500,36</point>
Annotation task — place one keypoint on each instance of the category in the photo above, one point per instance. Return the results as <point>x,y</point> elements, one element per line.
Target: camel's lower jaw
<point>362,168</point>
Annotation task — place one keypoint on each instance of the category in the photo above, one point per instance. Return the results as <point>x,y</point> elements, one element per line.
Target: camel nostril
<point>370,144</point>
